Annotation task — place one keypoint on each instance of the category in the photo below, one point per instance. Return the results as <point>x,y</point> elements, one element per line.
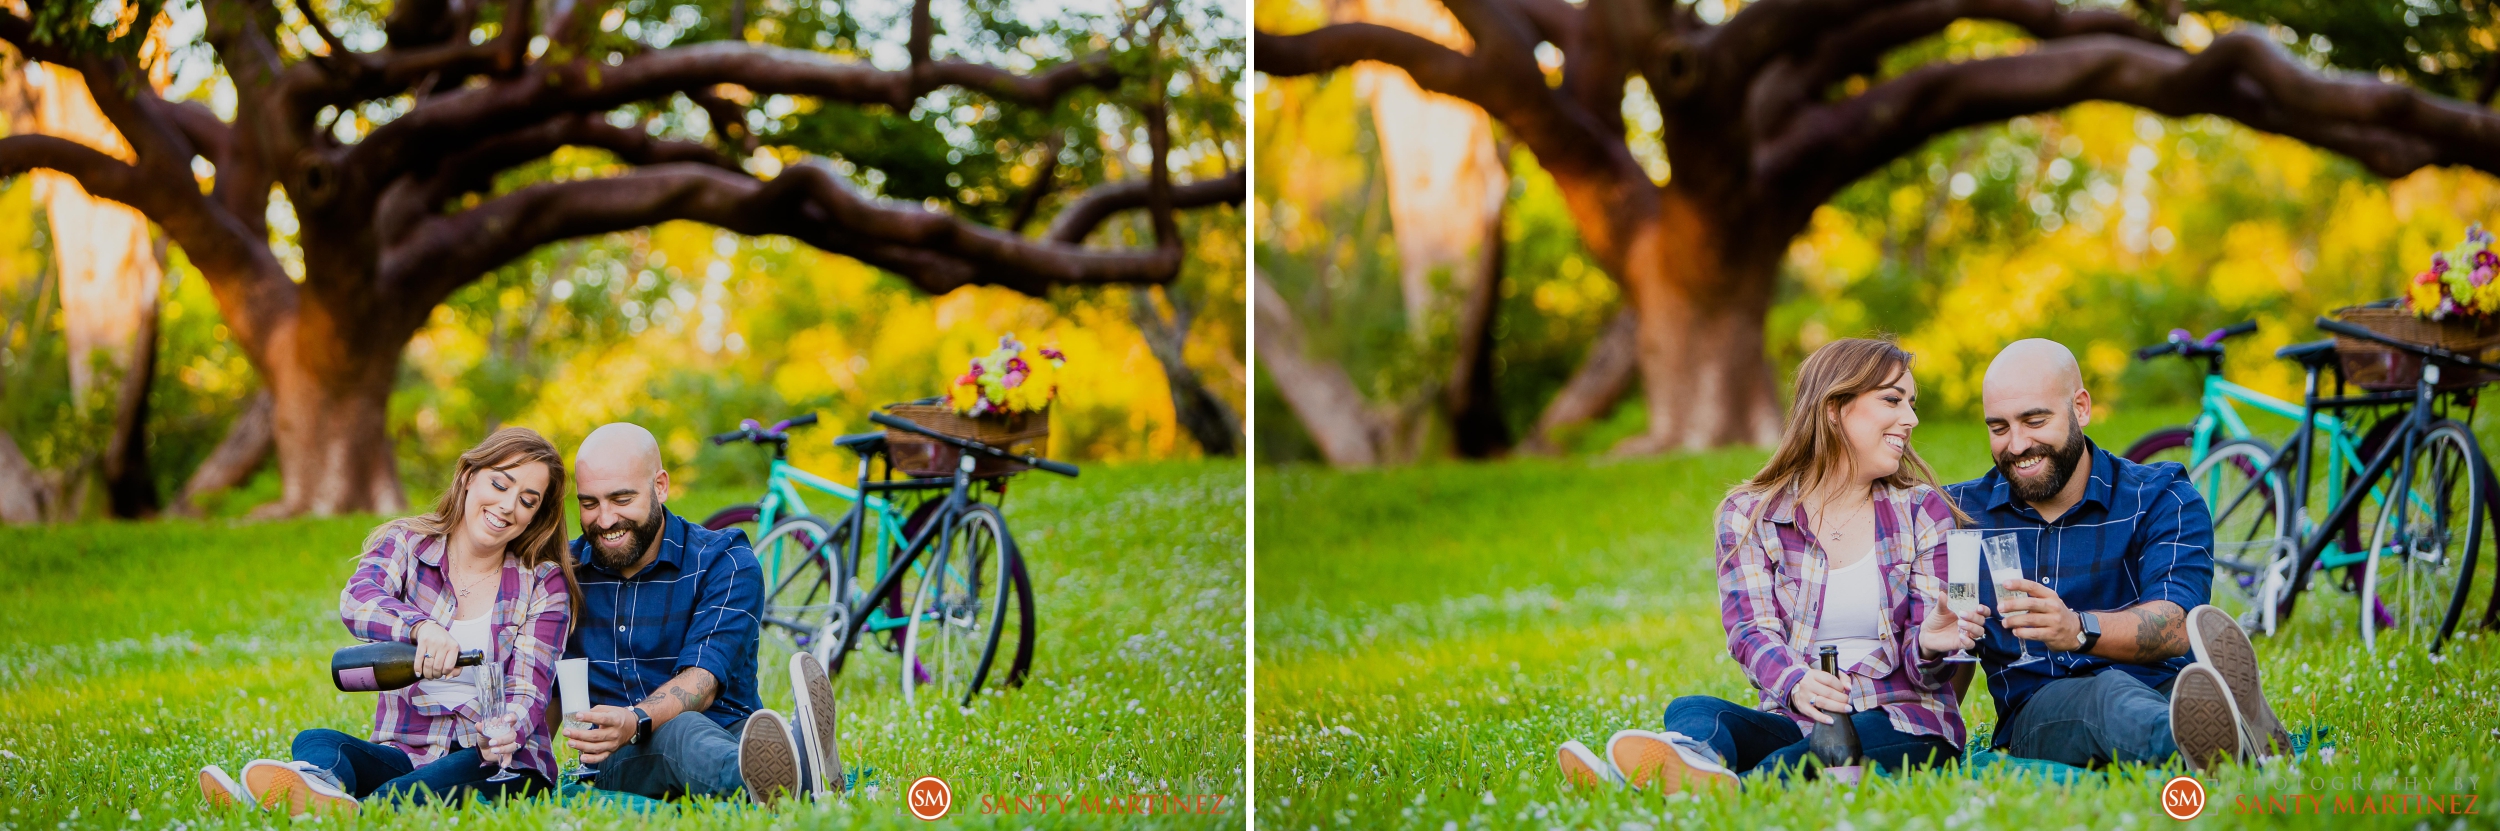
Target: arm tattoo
<point>692,694</point>
<point>2158,635</point>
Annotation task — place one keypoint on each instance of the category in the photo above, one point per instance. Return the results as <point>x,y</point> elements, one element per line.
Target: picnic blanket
<point>576,794</point>
<point>1978,760</point>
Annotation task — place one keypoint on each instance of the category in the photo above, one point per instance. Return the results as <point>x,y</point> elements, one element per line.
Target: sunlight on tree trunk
<point>110,281</point>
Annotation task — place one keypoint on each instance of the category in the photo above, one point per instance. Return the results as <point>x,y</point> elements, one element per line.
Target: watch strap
<point>2089,626</point>
<point>642,726</point>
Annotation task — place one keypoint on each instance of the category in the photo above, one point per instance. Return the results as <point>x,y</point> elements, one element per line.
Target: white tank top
<point>1853,608</point>
<point>461,689</point>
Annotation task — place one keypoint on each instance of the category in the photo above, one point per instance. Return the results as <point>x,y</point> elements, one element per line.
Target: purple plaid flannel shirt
<point>400,583</point>
<point>1771,579</point>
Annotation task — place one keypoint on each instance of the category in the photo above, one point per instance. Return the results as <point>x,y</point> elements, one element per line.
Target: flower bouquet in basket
<point>2454,305</point>
<point>1002,401</point>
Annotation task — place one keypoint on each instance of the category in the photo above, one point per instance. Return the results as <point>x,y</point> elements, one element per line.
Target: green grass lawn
<point>1428,635</point>
<point>131,654</point>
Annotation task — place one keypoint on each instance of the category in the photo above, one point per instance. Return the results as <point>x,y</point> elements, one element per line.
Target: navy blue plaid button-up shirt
<point>2141,533</point>
<point>700,603</point>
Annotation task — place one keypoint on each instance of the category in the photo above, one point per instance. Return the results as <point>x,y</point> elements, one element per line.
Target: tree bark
<point>24,495</point>
<point>330,392</point>
<point>1474,404</point>
<point>1207,419</point>
<point>246,445</point>
<point>1702,295</point>
<point>1349,433</point>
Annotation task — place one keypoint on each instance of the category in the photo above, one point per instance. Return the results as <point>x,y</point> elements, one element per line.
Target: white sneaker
<point>222,792</point>
<point>1643,757</point>
<point>298,788</point>
<point>768,761</point>
<point>1583,768</point>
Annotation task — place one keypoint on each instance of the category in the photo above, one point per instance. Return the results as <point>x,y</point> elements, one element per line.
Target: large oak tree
<point>413,160</point>
<point>1773,109</point>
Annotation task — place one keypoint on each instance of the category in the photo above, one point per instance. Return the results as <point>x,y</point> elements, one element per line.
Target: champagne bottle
<point>1834,744</point>
<point>387,665</point>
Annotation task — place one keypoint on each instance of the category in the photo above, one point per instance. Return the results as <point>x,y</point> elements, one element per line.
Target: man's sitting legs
<point>687,756</point>
<point>2097,720</point>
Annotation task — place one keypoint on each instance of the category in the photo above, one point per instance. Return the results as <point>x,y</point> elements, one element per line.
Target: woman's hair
<point>1812,447</point>
<point>542,541</point>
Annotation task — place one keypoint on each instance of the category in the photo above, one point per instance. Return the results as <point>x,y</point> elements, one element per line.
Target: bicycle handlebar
<point>2185,344</point>
<point>910,426</point>
<point>754,431</point>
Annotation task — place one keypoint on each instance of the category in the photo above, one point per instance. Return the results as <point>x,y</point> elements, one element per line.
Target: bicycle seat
<point>2314,353</point>
<point>861,443</point>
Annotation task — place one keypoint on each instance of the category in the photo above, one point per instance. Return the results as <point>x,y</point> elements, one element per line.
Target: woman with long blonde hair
<point>1839,542</point>
<point>486,570</point>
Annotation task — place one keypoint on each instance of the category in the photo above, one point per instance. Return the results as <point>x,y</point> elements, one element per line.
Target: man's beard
<point>637,540</point>
<point>2061,467</point>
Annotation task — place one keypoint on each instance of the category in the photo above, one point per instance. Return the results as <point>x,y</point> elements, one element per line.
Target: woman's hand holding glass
<point>1945,632</point>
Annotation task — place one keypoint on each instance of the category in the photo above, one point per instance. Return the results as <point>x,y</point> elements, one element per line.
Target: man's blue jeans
<point>381,773</point>
<point>2093,721</point>
<point>689,755</point>
<point>1755,742</point>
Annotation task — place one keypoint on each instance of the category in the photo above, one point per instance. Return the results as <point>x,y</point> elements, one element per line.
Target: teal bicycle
<point>948,588</point>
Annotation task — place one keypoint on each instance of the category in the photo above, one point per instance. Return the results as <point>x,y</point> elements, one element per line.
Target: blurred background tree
<point>686,327</point>
<point>2103,225</point>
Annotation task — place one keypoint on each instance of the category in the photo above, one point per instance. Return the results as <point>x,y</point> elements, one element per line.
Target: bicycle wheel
<point>2252,533</point>
<point>2168,444</point>
<point>974,597</point>
<point>2422,553</point>
<point>742,515</point>
<point>806,601</point>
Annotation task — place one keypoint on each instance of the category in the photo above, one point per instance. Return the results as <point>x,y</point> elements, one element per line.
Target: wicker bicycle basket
<point>2375,366</point>
<point>1024,434</point>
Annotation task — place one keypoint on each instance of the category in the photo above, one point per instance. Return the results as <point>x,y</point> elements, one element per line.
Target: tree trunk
<point>1206,418</point>
<point>129,483</point>
<point>1613,361</point>
<point>244,448</point>
<point>1702,293</point>
<point>330,393</point>
<point>1475,406</point>
<point>1340,420</point>
<point>24,495</point>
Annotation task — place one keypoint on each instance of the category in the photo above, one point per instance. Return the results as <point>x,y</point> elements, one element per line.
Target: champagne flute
<point>493,711</point>
<point>2005,565</point>
<point>1961,586</point>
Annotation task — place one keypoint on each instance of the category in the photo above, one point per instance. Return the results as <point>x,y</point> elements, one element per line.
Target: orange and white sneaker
<point>221,791</point>
<point>1583,768</point>
<point>296,788</point>
<point>1644,757</point>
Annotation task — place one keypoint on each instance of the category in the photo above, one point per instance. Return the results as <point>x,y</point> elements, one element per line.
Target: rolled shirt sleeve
<point>370,604</point>
<point>1756,634</point>
<point>2177,545</point>
<point>729,613</point>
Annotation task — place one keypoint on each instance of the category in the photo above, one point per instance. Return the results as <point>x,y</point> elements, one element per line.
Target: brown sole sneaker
<point>1642,758</point>
<point>767,762</point>
<point>280,786</point>
<point>1582,768</point>
<point>2219,642</point>
<point>2203,720</point>
<point>221,791</point>
<point>815,711</point>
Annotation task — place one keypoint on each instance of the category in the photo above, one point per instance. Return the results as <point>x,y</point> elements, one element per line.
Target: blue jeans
<point>1754,742</point>
<point>2093,721</point>
<point>690,755</point>
<point>382,773</point>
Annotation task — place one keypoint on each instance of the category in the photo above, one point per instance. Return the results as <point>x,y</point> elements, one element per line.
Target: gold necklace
<point>1839,531</point>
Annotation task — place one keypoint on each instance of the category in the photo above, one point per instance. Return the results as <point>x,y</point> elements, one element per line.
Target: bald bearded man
<point>2135,666</point>
<point>669,619</point>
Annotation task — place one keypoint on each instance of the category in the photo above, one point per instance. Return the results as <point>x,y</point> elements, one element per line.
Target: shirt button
<point>620,627</point>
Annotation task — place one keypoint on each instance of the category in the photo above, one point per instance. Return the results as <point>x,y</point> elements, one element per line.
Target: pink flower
<point>2480,276</point>
<point>1053,354</point>
<point>1015,378</point>
<point>1018,365</point>
<point>2486,259</point>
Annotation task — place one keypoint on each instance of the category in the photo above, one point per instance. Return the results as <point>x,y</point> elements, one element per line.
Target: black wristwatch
<point>2091,630</point>
<point>642,726</point>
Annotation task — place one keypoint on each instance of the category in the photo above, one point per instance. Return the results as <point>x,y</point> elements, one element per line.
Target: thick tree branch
<point>413,140</point>
<point>1079,219</point>
<point>937,252</point>
<point>2391,129</point>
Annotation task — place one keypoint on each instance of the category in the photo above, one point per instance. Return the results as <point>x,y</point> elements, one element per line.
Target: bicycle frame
<point>940,529</point>
<point>2218,412</point>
